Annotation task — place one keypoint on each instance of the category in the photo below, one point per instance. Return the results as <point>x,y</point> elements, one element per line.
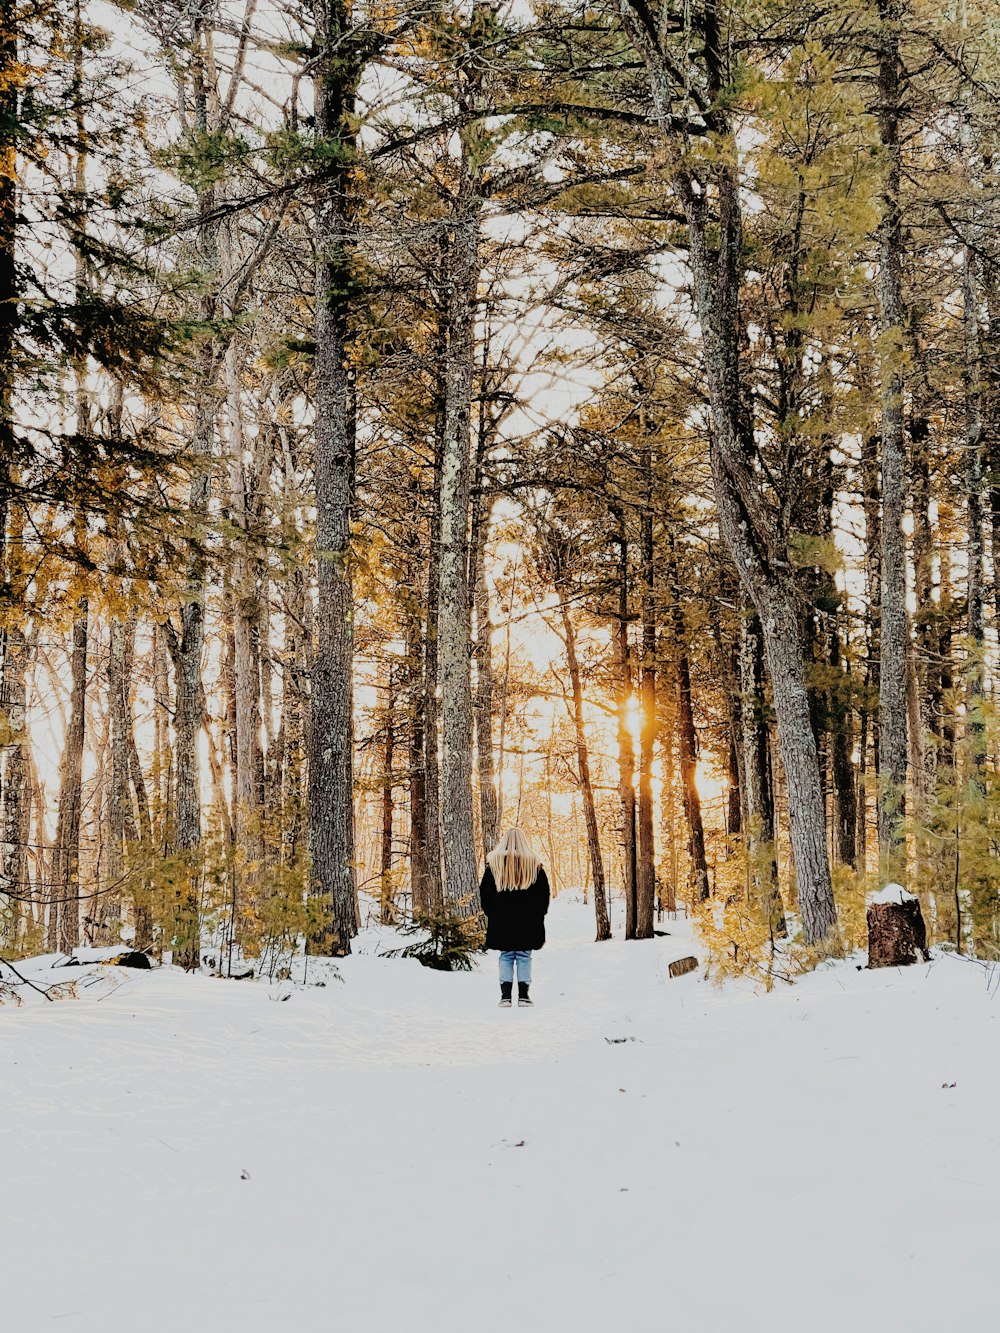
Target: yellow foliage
<point>851,889</point>
<point>738,939</point>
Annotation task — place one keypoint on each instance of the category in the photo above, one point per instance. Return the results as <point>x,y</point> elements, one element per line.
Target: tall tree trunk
<point>267,756</point>
<point>66,895</point>
<point>483,699</point>
<point>244,601</point>
<point>11,79</point>
<point>894,629</point>
<point>454,620</point>
<point>716,259</point>
<point>871,490</point>
<point>761,824</point>
<point>162,774</point>
<point>668,816</point>
<point>990,381</point>
<point>688,741</point>
<point>845,841</point>
<point>646,858</point>
<point>64,920</point>
<point>15,752</point>
<point>142,907</point>
<point>13,858</point>
<point>923,719</point>
<point>417,631</point>
<point>734,796</point>
<point>331,735</point>
<point>120,815</point>
<point>144,822</point>
<point>836,703</point>
<point>945,682</point>
<point>971,383</point>
<point>728,648</point>
<point>66,890</point>
<point>186,648</point>
<point>798,752</point>
<point>416,708</point>
<point>503,708</point>
<point>431,708</point>
<point>137,825</point>
<point>550,841</point>
<point>189,708</point>
<point>294,705</point>
<point>603,920</point>
<point>15,814</point>
<point>626,747</point>
<point>387,904</point>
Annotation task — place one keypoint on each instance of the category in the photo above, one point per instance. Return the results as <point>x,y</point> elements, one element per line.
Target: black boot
<point>505,989</point>
<point>523,999</point>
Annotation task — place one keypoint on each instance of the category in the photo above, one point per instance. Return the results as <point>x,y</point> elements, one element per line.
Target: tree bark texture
<point>894,632</point>
<point>186,648</point>
<point>294,708</point>
<point>897,935</point>
<point>841,717</point>
<point>924,722</point>
<point>331,734</point>
<point>991,417</point>
<point>760,842</point>
<point>626,747</point>
<point>688,742</point>
<point>483,698</point>
<point>971,377</point>
<point>431,707</point>
<point>244,596</point>
<point>11,76</point>
<point>646,850</point>
<point>454,619</point>
<point>15,807</point>
<point>603,920</point>
<point>386,894</point>
<point>869,722</point>
<point>734,798</point>
<point>121,817</point>
<point>64,895</point>
<point>416,701</point>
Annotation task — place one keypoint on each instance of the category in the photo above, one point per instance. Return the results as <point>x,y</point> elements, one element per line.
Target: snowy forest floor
<point>394,1152</point>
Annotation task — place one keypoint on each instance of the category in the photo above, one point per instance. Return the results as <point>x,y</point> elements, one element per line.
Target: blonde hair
<point>512,861</point>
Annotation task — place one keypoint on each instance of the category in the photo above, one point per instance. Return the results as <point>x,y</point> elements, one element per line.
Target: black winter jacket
<point>515,918</point>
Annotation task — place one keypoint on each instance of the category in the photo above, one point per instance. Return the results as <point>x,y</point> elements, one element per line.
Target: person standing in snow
<point>515,896</point>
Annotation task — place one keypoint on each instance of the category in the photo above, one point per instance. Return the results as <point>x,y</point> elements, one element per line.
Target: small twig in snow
<point>26,982</point>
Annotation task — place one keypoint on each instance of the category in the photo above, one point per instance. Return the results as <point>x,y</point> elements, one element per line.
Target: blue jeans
<point>522,957</point>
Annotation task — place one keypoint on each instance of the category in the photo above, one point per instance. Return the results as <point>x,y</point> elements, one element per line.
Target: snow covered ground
<point>393,1152</point>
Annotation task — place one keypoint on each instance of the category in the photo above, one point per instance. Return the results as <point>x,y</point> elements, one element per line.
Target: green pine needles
<point>442,939</point>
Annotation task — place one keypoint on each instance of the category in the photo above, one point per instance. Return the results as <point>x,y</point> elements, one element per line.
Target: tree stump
<point>897,935</point>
